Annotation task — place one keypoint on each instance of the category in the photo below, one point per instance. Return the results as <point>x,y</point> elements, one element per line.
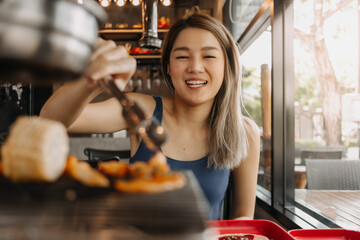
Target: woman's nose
<point>196,65</point>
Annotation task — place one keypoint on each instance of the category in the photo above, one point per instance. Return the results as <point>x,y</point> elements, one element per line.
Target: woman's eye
<point>210,56</point>
<point>181,57</point>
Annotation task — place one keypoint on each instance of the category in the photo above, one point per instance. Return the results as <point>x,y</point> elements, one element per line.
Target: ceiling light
<point>120,3</point>
<point>104,3</point>
<point>166,3</point>
<point>135,2</point>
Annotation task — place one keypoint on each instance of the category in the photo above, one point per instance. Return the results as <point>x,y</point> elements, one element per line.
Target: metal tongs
<point>148,128</point>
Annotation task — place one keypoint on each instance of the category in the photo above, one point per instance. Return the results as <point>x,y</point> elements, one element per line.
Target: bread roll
<point>35,150</point>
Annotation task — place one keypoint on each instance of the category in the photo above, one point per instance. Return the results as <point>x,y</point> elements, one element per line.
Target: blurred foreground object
<point>154,176</point>
<point>35,150</point>
<point>84,173</point>
<point>44,41</point>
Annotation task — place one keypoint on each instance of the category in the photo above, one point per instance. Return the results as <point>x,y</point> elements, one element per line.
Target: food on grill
<point>157,184</point>
<point>84,173</point>
<point>140,170</point>
<point>241,237</point>
<point>140,177</point>
<point>35,150</point>
<point>114,168</point>
<point>158,163</point>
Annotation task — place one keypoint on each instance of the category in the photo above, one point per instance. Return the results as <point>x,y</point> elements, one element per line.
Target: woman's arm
<point>70,104</point>
<point>245,177</point>
<point>66,104</point>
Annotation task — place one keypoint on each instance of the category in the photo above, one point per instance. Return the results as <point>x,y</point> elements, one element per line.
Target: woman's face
<point>196,66</point>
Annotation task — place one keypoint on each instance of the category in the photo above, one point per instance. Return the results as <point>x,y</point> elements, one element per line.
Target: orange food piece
<point>155,185</point>
<point>114,168</point>
<point>71,162</point>
<point>157,166</point>
<point>140,170</point>
<point>84,173</point>
<point>158,162</point>
<point>151,177</point>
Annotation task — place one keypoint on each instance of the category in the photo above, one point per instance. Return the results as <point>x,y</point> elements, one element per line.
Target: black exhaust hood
<point>150,37</point>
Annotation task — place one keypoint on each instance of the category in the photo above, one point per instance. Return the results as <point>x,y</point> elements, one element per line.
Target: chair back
<point>330,174</point>
<point>320,154</point>
<point>101,155</point>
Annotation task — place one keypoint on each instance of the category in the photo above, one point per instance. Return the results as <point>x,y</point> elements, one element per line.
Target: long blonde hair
<point>227,140</point>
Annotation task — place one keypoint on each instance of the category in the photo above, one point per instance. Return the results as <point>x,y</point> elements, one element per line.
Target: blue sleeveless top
<point>213,181</point>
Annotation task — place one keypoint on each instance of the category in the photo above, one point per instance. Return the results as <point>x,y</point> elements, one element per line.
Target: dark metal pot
<point>44,41</point>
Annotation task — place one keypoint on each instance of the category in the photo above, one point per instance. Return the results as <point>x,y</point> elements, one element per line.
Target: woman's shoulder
<point>252,128</point>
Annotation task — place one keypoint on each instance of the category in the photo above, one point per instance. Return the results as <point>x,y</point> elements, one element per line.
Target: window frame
<point>280,202</point>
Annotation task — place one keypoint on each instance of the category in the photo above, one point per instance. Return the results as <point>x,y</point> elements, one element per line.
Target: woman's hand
<point>70,103</point>
<point>110,61</point>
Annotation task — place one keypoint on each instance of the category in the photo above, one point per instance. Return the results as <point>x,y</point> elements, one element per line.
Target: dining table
<point>341,207</point>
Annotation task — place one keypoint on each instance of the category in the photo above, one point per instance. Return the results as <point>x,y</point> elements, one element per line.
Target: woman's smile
<point>195,82</point>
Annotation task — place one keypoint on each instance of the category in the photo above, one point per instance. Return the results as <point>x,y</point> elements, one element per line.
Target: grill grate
<point>47,208</point>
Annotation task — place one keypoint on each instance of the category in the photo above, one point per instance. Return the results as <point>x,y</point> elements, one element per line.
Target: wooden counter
<point>340,207</point>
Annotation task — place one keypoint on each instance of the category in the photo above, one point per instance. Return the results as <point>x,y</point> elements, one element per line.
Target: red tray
<point>325,234</point>
<point>260,227</point>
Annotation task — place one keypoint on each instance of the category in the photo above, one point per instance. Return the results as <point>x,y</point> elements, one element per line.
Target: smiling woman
<point>207,133</point>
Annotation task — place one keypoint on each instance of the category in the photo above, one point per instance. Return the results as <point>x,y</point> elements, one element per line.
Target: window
<point>327,105</point>
<point>315,107</point>
<point>256,85</point>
